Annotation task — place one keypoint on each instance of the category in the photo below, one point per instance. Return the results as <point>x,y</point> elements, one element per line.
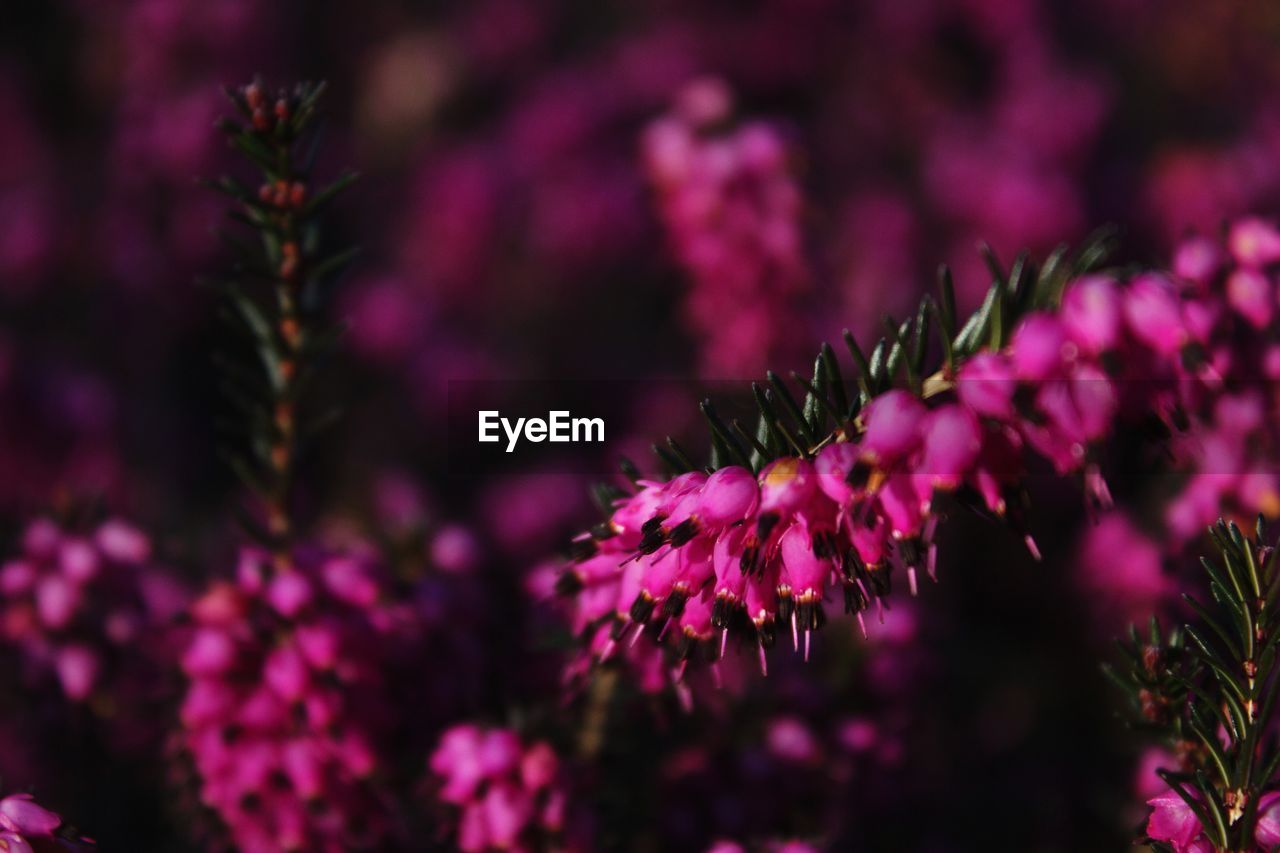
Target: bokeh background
<point>615,190</point>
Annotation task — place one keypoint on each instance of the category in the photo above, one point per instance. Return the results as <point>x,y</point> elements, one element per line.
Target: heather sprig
<point>276,289</point>
<point>286,701</point>
<point>1210,692</point>
<point>847,482</point>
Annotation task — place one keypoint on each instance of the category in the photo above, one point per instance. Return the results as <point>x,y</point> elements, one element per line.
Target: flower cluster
<point>284,703</point>
<point>760,550</point>
<point>82,607</point>
<point>510,793</point>
<point>732,212</point>
<point>1229,306</point>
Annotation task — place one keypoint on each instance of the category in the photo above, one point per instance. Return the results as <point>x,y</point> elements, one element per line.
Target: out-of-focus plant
<point>277,293</point>
<point>1208,691</point>
<point>286,700</point>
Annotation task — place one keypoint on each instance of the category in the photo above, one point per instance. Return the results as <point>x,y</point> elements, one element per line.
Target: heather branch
<point>1219,689</point>
<point>276,287</point>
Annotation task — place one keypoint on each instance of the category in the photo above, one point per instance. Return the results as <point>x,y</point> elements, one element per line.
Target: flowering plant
<point>393,652</point>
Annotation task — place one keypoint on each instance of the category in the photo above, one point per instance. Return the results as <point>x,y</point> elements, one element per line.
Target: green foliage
<point>1208,690</point>
<point>921,354</point>
<point>274,293</point>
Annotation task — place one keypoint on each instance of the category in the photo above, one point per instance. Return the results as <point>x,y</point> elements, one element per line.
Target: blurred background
<point>617,190</point>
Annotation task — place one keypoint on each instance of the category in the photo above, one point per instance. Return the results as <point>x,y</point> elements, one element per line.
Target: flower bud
<point>78,667</point>
<point>1250,294</point>
<point>285,672</point>
<point>1197,260</point>
<point>786,485</point>
<point>1039,347</point>
<point>1091,313</point>
<point>211,652</point>
<point>289,593</point>
<point>952,439</point>
<point>56,601</point>
<point>1254,243</point>
<point>1154,315</point>
<point>986,384</point>
<point>20,813</point>
<point>892,425</point>
<point>78,560</point>
<point>729,495</point>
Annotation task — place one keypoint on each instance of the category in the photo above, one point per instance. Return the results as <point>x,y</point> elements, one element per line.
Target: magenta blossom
<point>285,702</point>
<point>86,608</point>
<point>757,553</point>
<point>26,826</point>
<point>1172,820</point>
<point>511,794</point>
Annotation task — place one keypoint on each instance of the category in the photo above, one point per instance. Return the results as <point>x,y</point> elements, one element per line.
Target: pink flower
<point>1267,830</point>
<point>292,665</point>
<point>1251,294</point>
<point>1092,313</point>
<point>81,611</point>
<point>78,667</point>
<point>730,494</point>
<point>1172,820</point>
<point>789,739</point>
<point>19,813</point>
<point>509,794</point>
<point>1153,314</point>
<point>1254,243</point>
<point>986,384</point>
<point>786,485</point>
<point>732,213</point>
<point>893,422</point>
<point>1039,347</point>
<point>952,440</point>
<point>289,593</point>
<point>1197,259</point>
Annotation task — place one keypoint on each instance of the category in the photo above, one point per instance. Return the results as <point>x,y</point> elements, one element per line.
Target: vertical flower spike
<point>285,701</point>
<point>287,665</point>
<point>731,210</point>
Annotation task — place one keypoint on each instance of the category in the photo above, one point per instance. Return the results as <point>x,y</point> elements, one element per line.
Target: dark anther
<point>860,474</point>
<point>653,524</point>
<point>765,524</point>
<point>674,605</point>
<point>785,605</point>
<point>854,600</point>
<point>568,583</point>
<point>642,607</point>
<point>683,532</point>
<point>581,549</point>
